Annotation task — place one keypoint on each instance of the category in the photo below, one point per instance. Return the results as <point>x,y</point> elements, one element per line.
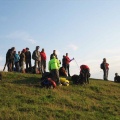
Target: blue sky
<point>89,30</point>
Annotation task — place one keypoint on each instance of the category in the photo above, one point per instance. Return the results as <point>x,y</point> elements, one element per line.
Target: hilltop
<point>21,98</point>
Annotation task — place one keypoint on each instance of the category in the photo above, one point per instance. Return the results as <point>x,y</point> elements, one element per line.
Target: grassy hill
<point>21,98</point>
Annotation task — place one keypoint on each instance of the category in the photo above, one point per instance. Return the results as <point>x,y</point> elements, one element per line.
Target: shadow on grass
<point>32,81</point>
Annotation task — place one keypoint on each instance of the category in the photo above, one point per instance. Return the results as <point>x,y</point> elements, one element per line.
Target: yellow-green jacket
<point>53,64</point>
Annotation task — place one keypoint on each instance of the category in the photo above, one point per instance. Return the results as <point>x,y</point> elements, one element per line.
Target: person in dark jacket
<point>105,67</point>
<point>10,59</point>
<point>53,54</point>
<point>64,62</point>
<point>117,78</point>
<point>28,59</point>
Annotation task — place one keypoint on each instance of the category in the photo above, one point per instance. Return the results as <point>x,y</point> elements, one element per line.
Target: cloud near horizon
<point>18,35</point>
<point>72,46</point>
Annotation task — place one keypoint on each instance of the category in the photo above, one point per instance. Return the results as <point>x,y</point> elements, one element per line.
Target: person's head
<point>104,59</point>
<point>19,52</point>
<point>24,50</point>
<point>14,52</point>
<point>66,54</point>
<point>27,49</point>
<point>13,48</point>
<point>43,50</point>
<point>63,56</point>
<point>116,74</point>
<point>37,47</point>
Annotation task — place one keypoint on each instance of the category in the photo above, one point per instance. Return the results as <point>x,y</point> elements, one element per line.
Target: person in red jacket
<point>43,60</point>
<point>84,73</point>
<point>67,65</point>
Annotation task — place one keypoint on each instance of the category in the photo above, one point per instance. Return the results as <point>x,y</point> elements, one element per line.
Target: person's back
<point>85,73</point>
<point>53,67</point>
<point>28,54</point>
<point>105,69</point>
<point>43,60</point>
<point>54,64</point>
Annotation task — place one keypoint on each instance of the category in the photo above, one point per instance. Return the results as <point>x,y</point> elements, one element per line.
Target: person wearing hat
<point>28,59</point>
<point>37,58</point>
<point>53,67</point>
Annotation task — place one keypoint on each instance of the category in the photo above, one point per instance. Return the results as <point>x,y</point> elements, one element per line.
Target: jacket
<point>43,55</point>
<point>16,58</point>
<point>67,60</point>
<point>36,56</point>
<point>53,64</point>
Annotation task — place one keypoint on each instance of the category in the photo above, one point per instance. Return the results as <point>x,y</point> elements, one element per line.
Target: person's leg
<point>26,65</point>
<point>69,70</point>
<point>36,63</point>
<point>44,66</point>
<point>57,77</point>
<point>107,74</point>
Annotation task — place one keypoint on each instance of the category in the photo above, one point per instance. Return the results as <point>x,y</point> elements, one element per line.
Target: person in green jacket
<point>53,67</point>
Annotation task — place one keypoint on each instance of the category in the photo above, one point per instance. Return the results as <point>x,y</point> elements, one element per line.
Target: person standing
<point>22,60</point>
<point>105,67</point>
<point>67,64</point>
<point>10,59</point>
<point>43,60</point>
<point>37,58</point>
<point>16,61</point>
<point>53,54</point>
<point>53,67</point>
<point>64,61</point>
<point>28,59</point>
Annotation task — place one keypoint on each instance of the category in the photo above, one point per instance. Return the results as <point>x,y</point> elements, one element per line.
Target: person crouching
<point>84,73</point>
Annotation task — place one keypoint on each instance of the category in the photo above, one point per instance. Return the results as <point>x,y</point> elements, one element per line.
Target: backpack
<point>102,66</point>
<point>48,83</point>
<point>34,56</point>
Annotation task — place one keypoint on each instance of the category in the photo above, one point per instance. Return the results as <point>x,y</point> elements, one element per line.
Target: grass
<point>21,98</point>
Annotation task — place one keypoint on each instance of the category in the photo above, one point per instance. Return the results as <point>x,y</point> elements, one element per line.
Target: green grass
<point>21,98</point>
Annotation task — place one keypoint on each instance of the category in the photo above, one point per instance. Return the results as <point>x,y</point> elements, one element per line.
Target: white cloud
<point>21,36</point>
<point>32,41</point>
<point>72,46</point>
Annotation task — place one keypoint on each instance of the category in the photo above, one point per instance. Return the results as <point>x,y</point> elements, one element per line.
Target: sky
<point>88,30</point>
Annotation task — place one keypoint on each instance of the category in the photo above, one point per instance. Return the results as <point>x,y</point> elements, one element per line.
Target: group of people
<point>17,61</point>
